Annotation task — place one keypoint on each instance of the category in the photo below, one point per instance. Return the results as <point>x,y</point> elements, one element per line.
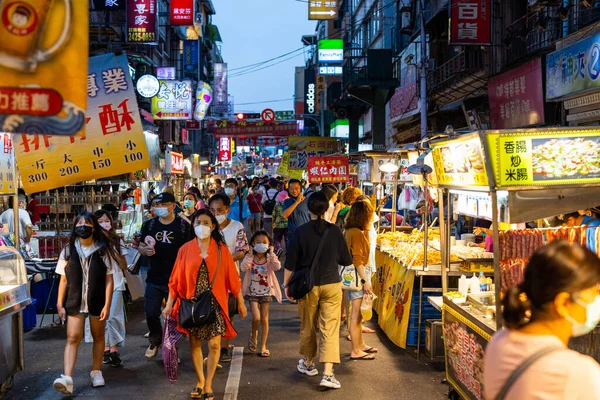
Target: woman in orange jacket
<point>194,269</point>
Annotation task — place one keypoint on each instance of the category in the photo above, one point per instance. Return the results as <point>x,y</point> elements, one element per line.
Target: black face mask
<point>83,231</point>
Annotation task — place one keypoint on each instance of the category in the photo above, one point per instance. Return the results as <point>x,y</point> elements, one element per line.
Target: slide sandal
<point>366,357</point>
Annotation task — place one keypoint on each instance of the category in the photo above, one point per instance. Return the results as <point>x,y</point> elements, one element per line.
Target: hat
<point>164,197</point>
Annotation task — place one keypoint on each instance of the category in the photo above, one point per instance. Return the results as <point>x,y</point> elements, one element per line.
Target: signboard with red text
<point>328,169</point>
<point>225,149</point>
<point>141,21</point>
<point>182,12</point>
<point>175,162</point>
<point>470,22</point>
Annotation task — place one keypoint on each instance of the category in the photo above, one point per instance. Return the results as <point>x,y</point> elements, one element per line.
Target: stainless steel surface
<point>496,238</point>
<point>530,205</point>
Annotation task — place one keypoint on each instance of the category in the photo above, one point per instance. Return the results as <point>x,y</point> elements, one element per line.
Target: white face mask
<point>221,218</point>
<point>162,212</point>
<point>229,192</point>
<point>261,248</point>
<point>202,231</point>
<point>591,320</point>
<point>106,225</point>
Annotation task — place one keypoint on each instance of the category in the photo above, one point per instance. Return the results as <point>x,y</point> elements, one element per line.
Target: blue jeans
<point>154,299</point>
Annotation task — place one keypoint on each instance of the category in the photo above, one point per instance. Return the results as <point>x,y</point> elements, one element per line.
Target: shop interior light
<point>389,167</point>
<point>204,162</point>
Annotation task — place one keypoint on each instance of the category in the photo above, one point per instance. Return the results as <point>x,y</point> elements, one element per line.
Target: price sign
<point>328,169</point>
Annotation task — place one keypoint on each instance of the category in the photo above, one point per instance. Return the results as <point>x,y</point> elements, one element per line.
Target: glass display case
<point>14,297</point>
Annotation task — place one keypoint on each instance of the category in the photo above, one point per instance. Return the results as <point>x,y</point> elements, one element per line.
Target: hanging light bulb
<point>389,167</point>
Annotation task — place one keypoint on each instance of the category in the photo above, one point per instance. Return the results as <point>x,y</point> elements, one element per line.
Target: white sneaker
<point>147,335</point>
<point>151,352</point>
<point>329,381</point>
<point>97,378</point>
<point>307,369</point>
<point>64,384</point>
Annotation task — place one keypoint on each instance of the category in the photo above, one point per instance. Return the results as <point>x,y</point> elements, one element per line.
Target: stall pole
<point>394,201</point>
<point>16,224</point>
<point>496,237</point>
<point>425,266</point>
<point>444,238</point>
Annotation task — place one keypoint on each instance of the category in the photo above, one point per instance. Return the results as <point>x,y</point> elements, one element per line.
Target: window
<point>372,24</point>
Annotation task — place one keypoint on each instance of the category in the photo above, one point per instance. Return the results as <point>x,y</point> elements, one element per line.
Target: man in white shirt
<point>25,225</point>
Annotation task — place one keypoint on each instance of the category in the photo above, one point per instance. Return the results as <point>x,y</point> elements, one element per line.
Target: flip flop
<point>252,344</point>
<point>367,330</point>
<point>209,396</point>
<point>196,393</point>
<point>264,353</point>
<point>366,357</point>
<point>348,338</point>
<point>370,350</point>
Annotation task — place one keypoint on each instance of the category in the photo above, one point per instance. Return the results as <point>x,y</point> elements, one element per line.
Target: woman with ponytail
<point>320,246</point>
<point>558,299</point>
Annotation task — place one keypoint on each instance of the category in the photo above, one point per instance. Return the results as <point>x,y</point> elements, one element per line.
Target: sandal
<point>252,344</point>
<point>367,330</point>
<point>366,357</point>
<point>371,350</point>
<point>264,353</point>
<point>209,396</point>
<point>196,393</point>
<point>349,338</point>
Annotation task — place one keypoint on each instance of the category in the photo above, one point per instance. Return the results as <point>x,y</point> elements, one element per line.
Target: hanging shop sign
<point>328,169</point>
<point>310,91</point>
<point>220,105</point>
<point>173,101</point>
<point>263,141</point>
<point>204,97</point>
<point>285,170</point>
<point>405,101</point>
<point>191,59</point>
<point>142,21</point>
<point>341,129</point>
<point>254,129</point>
<point>109,5</point>
<point>113,143</point>
<point>174,162</point>
<point>185,136</point>
<point>516,97</point>
<point>224,149</point>
<point>459,162</point>
<point>37,40</point>
<point>7,163</point>
<point>330,70</point>
<point>182,12</point>
<point>331,50</point>
<point>164,73</point>
<point>470,22</point>
<point>573,69</point>
<point>322,9</point>
<point>545,158</point>
<point>147,86</point>
<point>302,147</point>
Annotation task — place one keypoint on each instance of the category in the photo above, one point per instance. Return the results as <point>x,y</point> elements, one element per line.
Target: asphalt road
<point>394,375</point>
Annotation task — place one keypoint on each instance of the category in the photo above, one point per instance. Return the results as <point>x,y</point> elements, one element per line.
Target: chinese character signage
<point>284,115</point>
<point>285,170</point>
<point>142,21</point>
<point>328,169</point>
<point>303,147</point>
<point>545,158</point>
<point>573,69</point>
<point>109,5</point>
<point>6,164</point>
<point>190,59</point>
<point>175,162</point>
<point>516,97</point>
<point>38,40</point>
<point>254,129</point>
<point>220,105</point>
<point>322,9</point>
<point>330,70</point>
<point>113,143</point>
<point>224,149</point>
<point>263,141</point>
<point>182,12</point>
<point>464,351</point>
<point>459,162</point>
<point>173,101</point>
<point>165,72</point>
<point>470,22</point>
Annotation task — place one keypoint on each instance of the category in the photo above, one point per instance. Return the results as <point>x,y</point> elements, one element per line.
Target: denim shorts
<point>257,215</point>
<point>353,295</point>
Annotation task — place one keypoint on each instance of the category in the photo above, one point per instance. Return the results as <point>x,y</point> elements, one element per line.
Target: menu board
<point>545,158</point>
<point>459,162</point>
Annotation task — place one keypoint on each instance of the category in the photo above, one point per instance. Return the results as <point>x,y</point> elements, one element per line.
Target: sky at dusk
<point>254,31</point>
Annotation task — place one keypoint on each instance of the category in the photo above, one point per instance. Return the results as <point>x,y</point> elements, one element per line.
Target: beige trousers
<point>321,308</point>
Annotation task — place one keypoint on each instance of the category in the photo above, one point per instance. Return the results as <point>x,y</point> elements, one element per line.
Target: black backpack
<point>269,205</point>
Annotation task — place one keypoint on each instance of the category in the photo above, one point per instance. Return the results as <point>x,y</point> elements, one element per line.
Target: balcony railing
<point>467,62</point>
<point>379,70</point>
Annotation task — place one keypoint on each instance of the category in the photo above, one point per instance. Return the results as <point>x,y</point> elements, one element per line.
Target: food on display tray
<point>571,158</point>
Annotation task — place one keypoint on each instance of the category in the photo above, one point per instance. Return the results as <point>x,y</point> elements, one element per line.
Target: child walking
<point>260,287</point>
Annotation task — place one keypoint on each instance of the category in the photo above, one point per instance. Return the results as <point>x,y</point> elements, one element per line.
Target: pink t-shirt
<point>561,375</point>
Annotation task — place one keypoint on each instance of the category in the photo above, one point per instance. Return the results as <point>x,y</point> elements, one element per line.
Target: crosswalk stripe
<point>235,373</point>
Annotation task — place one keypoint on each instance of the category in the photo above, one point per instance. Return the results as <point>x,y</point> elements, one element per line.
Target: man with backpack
<point>269,201</point>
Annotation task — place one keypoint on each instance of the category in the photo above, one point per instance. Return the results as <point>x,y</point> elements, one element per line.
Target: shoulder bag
<point>302,280</point>
<point>516,374</point>
<point>350,279</point>
<point>198,311</point>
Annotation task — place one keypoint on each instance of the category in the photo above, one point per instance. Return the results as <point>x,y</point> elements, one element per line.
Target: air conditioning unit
<point>199,18</point>
<point>406,22</point>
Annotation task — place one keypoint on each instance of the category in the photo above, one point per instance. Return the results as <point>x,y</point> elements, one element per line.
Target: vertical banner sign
<point>113,143</point>
<point>470,22</point>
<point>310,91</point>
<point>190,59</point>
<point>41,41</point>
<point>141,21</point>
<point>328,169</point>
<point>175,162</point>
<point>224,149</point>
<point>320,89</point>
<point>173,101</point>
<point>516,97</point>
<point>182,12</point>
<point>6,164</point>
<point>220,89</point>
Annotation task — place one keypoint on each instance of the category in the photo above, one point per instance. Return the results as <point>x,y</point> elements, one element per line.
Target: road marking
<point>235,373</point>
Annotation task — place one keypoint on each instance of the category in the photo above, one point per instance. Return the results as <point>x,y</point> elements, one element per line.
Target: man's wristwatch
<point>363,281</point>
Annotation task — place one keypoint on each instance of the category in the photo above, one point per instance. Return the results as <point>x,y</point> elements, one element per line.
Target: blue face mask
<point>162,212</point>
<point>189,204</point>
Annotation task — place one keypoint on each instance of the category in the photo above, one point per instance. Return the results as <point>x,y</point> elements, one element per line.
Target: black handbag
<point>302,280</point>
<point>198,311</point>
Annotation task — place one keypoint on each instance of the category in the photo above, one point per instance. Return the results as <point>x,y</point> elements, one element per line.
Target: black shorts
<point>232,306</point>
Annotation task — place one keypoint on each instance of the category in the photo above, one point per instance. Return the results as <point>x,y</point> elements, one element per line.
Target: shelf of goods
<point>503,177</point>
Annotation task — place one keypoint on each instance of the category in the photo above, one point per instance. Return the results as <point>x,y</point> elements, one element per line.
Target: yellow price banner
<point>285,170</point>
<point>545,158</point>
<point>459,162</point>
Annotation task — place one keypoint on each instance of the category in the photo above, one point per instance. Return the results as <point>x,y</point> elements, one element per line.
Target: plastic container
<point>366,307</point>
<point>30,316</point>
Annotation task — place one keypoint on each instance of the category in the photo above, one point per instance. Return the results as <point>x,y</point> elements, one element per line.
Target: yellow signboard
<point>113,143</point>
<point>545,158</point>
<point>302,147</point>
<point>284,169</point>
<point>459,162</point>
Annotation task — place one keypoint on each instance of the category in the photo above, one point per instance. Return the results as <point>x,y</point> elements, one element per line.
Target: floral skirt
<point>218,327</point>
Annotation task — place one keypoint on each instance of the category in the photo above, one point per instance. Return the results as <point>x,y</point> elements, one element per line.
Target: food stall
<point>508,177</point>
